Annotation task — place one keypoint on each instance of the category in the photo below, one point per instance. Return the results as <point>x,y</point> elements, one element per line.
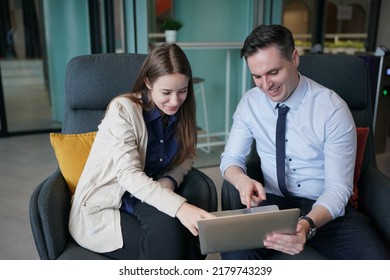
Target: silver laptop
<point>244,228</point>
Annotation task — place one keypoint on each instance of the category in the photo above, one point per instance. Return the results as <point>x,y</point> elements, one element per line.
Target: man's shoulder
<point>314,84</point>
<point>321,92</point>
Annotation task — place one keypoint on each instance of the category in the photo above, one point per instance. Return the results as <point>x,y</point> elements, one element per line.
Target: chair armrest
<point>49,220</point>
<point>36,223</point>
<point>199,190</point>
<point>230,197</point>
<point>253,170</point>
<point>374,197</point>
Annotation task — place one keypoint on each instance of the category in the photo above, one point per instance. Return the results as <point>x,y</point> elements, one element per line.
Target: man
<point>316,166</point>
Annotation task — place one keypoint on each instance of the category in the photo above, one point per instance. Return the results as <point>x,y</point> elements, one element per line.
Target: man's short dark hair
<point>264,36</point>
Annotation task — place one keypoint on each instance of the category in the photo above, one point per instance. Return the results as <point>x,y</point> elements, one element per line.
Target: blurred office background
<point>39,37</point>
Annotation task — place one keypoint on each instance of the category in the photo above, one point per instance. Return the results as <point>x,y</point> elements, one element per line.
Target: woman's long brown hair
<point>165,60</point>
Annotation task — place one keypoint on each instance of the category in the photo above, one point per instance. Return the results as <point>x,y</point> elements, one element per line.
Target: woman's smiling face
<point>169,92</point>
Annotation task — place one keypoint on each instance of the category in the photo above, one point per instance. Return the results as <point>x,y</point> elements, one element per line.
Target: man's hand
<point>291,244</point>
<point>252,193</point>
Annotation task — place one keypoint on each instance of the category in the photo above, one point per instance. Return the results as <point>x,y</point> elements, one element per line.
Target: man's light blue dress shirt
<point>320,143</point>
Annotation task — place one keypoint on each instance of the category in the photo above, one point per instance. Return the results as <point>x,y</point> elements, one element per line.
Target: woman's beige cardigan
<point>115,164</point>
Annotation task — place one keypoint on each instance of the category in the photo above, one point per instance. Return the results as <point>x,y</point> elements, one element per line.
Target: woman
<point>125,205</point>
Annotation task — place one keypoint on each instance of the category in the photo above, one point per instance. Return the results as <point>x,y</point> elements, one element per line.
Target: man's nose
<point>267,83</point>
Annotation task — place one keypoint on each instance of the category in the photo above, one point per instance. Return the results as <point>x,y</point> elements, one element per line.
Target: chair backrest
<point>348,76</point>
<point>92,81</point>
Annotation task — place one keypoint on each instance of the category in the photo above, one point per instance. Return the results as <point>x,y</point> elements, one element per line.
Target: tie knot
<point>283,109</point>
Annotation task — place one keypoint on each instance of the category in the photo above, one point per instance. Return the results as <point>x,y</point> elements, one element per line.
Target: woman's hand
<point>166,183</point>
<point>189,215</point>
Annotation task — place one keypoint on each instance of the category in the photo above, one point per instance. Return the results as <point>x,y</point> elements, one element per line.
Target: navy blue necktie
<point>281,148</point>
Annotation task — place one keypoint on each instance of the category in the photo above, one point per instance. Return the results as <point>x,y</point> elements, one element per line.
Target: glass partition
<point>345,28</point>
<point>25,105</point>
<point>159,10</point>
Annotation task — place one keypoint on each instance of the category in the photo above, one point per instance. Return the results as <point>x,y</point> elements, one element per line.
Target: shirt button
<point>161,141</point>
<point>161,159</point>
<point>299,185</point>
<point>289,159</point>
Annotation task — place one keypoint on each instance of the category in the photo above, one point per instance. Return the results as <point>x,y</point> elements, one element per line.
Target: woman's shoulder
<point>127,99</point>
<point>125,102</point>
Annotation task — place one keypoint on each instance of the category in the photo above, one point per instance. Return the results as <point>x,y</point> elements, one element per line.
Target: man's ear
<point>295,58</point>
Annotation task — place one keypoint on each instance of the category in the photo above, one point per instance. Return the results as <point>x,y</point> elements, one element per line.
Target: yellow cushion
<point>72,151</point>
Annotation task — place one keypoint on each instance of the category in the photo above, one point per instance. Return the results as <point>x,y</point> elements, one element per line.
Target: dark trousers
<point>149,234</point>
<point>350,237</point>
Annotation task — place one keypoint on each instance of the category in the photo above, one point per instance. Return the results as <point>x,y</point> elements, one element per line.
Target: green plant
<point>171,24</point>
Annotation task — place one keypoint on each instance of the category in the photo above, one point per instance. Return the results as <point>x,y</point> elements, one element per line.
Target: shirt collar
<point>154,114</point>
<point>296,97</point>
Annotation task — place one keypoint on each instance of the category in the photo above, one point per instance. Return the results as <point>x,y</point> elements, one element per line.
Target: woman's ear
<point>147,83</point>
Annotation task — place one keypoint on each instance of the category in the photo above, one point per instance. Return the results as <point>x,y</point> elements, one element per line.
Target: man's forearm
<point>234,174</point>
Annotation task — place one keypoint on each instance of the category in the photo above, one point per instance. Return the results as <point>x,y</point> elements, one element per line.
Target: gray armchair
<point>349,77</point>
<point>91,82</point>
